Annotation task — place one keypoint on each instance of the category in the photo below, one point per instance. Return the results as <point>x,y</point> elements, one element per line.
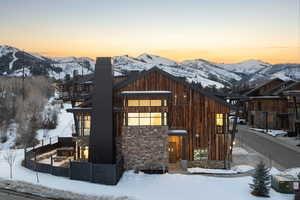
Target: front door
<point>172,152</point>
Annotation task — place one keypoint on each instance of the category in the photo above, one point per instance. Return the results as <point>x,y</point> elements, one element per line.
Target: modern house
<point>267,106</point>
<point>293,97</point>
<point>149,119</point>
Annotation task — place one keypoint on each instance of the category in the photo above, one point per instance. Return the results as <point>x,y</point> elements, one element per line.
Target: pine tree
<point>261,181</point>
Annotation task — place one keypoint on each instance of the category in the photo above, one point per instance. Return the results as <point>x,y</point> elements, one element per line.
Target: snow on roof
<point>265,97</point>
<point>292,92</point>
<point>146,92</point>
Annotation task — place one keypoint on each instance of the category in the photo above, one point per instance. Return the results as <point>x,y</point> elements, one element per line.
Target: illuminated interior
<point>147,119</point>
<point>219,120</point>
<point>84,125</point>
<point>143,102</point>
<point>84,153</point>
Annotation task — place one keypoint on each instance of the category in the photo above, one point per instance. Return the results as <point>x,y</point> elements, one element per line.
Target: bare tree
<point>10,157</point>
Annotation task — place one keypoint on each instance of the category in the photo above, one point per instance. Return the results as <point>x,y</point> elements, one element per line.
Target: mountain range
<point>13,61</point>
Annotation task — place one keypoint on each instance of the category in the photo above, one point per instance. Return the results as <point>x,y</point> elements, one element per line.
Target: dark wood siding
<point>187,109</point>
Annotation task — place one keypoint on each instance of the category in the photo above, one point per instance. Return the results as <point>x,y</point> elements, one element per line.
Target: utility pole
<point>267,122</point>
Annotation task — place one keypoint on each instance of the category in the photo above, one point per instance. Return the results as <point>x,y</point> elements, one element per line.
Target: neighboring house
<point>267,106</point>
<point>150,120</point>
<point>264,110</point>
<point>293,97</point>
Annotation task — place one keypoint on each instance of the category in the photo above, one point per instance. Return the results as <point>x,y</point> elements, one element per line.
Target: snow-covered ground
<point>148,187</point>
<point>242,168</point>
<point>198,170</point>
<point>140,186</point>
<point>271,132</point>
<point>11,137</point>
<point>64,127</point>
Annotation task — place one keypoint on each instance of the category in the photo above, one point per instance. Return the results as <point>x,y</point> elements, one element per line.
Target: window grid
<point>148,102</point>
<point>147,119</point>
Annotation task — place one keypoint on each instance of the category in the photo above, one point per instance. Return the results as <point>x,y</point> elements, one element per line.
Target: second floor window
<point>143,102</point>
<point>147,119</point>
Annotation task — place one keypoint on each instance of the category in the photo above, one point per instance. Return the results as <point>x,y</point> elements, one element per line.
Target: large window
<point>147,119</point>
<point>220,123</point>
<point>84,125</point>
<point>142,102</point>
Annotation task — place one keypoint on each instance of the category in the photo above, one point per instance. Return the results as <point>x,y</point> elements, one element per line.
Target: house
<point>293,97</point>
<point>151,120</point>
<point>265,110</point>
<point>268,107</point>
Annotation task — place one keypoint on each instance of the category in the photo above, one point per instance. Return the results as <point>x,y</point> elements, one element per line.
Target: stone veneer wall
<point>145,147</point>
<point>211,164</point>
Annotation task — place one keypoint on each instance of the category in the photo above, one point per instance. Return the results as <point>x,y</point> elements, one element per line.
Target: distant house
<point>267,106</point>
<point>293,97</point>
<point>151,120</point>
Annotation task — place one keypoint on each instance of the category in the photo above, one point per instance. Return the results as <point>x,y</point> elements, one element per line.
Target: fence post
<point>70,169</point>
<point>42,142</point>
<point>91,172</point>
<point>51,160</point>
<point>25,157</point>
<point>50,140</point>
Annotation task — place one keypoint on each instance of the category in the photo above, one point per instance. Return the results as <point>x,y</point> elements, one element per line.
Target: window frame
<point>147,115</point>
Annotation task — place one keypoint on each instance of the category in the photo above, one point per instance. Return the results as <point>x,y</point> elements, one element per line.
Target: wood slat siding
<point>269,105</point>
<point>195,113</point>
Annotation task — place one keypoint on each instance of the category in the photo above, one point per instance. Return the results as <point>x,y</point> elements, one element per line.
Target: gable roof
<point>180,80</point>
<point>261,85</point>
<point>286,88</point>
<point>273,90</point>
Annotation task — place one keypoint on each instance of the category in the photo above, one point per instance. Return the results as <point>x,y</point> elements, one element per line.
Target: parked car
<point>239,120</point>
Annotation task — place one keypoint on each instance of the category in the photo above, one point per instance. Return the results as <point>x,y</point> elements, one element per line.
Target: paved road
<point>269,147</point>
<point>10,195</point>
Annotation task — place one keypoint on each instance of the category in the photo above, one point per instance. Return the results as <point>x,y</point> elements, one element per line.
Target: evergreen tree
<point>261,181</point>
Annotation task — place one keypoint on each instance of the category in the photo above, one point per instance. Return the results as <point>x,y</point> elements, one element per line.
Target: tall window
<point>84,153</point>
<point>147,119</point>
<point>152,102</point>
<point>219,120</point>
<point>84,125</point>
<point>220,123</point>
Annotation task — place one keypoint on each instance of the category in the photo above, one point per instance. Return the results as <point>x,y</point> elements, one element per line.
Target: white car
<point>239,120</point>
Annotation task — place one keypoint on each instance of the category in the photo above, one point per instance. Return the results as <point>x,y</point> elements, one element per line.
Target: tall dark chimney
<point>102,137</point>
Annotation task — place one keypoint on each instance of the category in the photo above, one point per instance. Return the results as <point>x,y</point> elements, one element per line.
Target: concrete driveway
<point>269,146</point>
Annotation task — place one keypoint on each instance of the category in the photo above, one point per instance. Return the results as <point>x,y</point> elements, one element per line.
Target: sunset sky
<point>216,30</point>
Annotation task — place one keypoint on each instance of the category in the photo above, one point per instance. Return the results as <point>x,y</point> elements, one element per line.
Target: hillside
<point>13,61</point>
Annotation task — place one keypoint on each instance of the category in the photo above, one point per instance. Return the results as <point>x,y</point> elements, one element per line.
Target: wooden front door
<point>172,152</point>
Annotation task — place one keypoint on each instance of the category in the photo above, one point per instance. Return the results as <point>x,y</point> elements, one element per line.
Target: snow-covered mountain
<point>12,61</point>
<point>246,67</point>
